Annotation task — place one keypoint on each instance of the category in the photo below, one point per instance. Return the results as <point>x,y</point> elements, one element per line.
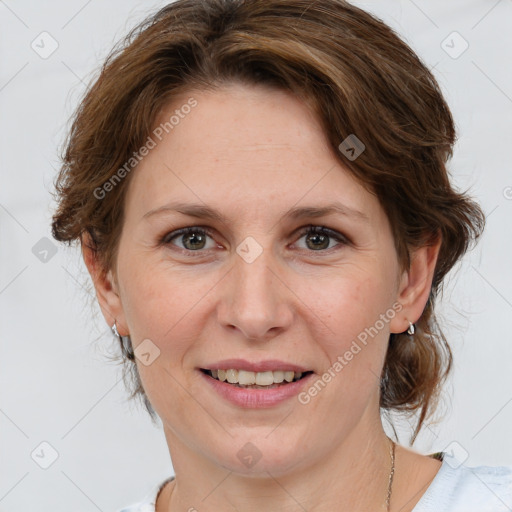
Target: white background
<point>56,384</point>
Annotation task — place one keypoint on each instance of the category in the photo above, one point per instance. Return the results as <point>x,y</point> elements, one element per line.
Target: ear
<point>106,288</point>
<point>415,285</point>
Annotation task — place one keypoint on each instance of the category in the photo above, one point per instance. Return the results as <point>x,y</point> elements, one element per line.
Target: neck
<point>354,475</point>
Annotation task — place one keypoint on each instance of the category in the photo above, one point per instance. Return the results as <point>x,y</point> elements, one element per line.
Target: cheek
<point>166,307</point>
<point>351,305</point>
<point>355,346</point>
<point>159,300</point>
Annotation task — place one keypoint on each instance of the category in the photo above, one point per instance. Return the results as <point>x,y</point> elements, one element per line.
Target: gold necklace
<point>391,474</point>
<point>390,483</point>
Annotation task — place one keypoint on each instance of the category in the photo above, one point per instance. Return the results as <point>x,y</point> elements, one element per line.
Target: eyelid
<point>318,228</point>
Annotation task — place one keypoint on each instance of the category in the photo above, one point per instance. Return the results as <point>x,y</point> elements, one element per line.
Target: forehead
<point>245,148</point>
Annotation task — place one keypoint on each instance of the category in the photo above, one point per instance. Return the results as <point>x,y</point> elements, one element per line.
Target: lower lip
<point>256,398</point>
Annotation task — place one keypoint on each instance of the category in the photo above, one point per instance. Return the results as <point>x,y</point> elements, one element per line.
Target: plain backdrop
<point>57,386</point>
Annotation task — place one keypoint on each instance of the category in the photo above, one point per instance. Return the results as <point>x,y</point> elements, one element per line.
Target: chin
<point>258,455</point>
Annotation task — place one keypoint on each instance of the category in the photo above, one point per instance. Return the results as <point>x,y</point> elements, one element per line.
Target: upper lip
<point>260,366</point>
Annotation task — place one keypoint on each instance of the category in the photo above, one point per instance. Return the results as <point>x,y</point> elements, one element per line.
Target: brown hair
<point>356,74</point>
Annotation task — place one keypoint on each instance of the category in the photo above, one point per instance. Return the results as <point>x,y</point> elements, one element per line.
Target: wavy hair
<point>353,71</point>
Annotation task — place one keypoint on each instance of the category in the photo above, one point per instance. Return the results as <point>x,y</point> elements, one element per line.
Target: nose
<point>256,301</point>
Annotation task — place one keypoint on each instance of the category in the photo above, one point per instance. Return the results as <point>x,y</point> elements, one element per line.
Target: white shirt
<point>455,488</point>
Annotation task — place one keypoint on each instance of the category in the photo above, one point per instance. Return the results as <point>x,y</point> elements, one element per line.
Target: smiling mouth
<point>255,380</point>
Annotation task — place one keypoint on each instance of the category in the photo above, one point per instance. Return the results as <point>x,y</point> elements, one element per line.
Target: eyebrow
<point>205,212</point>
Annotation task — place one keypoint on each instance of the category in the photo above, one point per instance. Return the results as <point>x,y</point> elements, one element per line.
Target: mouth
<point>255,380</point>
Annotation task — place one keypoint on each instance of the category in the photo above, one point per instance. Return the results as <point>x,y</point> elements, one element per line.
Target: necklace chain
<point>391,474</point>
<point>390,483</point>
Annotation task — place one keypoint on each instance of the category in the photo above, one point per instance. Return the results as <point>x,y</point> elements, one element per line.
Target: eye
<point>193,238</point>
<point>318,238</point>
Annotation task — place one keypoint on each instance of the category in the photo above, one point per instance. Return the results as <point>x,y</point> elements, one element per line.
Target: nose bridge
<point>256,302</point>
<point>253,277</point>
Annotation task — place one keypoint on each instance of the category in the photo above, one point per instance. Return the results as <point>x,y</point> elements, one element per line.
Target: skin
<point>253,153</point>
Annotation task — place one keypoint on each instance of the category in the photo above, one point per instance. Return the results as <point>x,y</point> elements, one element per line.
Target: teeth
<point>246,378</point>
<point>232,376</point>
<point>278,377</point>
<point>264,378</point>
<point>288,376</point>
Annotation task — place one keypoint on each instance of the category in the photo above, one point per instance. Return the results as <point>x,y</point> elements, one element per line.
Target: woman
<point>261,197</point>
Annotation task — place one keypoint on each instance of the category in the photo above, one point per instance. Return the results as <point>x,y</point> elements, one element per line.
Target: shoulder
<point>147,504</point>
<point>460,488</point>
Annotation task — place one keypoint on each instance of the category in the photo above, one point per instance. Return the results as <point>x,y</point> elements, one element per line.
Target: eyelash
<point>307,230</point>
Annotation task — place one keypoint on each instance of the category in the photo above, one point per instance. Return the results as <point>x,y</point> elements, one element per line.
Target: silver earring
<point>126,343</point>
<point>411,330</point>
<point>114,330</point>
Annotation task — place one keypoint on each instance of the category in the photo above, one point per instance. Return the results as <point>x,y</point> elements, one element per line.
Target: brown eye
<point>192,238</point>
<point>318,238</point>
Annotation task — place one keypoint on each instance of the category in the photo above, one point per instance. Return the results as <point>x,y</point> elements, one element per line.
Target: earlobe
<point>415,286</point>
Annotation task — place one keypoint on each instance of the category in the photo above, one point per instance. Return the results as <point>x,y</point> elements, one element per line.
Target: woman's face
<point>253,291</point>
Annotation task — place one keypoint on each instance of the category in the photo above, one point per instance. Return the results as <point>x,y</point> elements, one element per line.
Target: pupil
<point>195,239</point>
<point>323,238</point>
